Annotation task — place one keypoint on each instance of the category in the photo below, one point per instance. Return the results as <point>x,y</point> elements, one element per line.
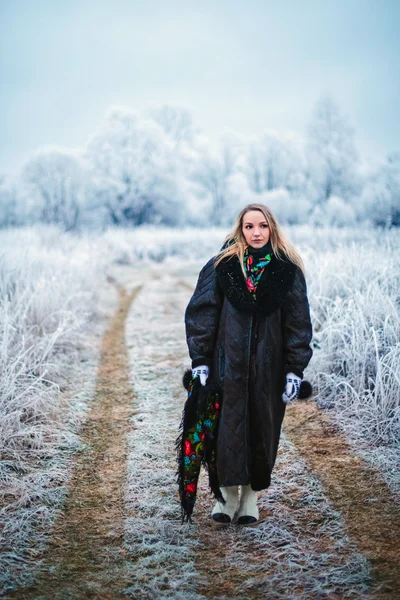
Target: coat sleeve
<point>297,327</point>
<point>202,316</point>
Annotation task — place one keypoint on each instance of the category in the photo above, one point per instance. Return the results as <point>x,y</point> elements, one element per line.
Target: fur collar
<point>272,288</point>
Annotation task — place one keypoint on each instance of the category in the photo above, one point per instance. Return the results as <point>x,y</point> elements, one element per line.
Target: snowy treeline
<point>157,167</point>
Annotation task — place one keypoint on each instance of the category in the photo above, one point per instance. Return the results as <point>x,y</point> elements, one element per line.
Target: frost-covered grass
<point>160,243</point>
<point>48,298</point>
<point>129,246</point>
<point>301,545</point>
<point>355,302</point>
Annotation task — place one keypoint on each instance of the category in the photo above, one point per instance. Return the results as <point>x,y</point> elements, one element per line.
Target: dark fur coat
<point>249,346</point>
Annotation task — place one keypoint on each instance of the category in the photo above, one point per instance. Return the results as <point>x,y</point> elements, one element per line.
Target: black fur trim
<point>306,390</point>
<point>187,376</point>
<point>272,288</point>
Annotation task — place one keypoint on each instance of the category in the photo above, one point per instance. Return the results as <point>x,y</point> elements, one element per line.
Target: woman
<point>248,328</point>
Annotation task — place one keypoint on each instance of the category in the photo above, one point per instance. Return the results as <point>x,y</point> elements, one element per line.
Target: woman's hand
<point>202,372</point>
<point>291,392</point>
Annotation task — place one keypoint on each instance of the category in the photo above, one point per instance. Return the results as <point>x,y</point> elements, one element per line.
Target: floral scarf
<point>254,267</point>
<point>197,443</point>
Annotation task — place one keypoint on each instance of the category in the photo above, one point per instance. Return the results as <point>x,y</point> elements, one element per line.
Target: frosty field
<point>93,350</point>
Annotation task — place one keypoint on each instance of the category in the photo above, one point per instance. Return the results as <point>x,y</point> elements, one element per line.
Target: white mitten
<point>292,388</point>
<point>202,372</point>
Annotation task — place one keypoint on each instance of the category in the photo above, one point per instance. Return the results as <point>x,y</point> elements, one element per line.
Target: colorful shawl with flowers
<point>254,267</point>
<point>197,442</point>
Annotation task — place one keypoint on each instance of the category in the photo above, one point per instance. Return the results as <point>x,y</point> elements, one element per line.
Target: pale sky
<point>243,65</point>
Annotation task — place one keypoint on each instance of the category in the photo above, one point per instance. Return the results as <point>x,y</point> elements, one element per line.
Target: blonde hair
<point>279,242</point>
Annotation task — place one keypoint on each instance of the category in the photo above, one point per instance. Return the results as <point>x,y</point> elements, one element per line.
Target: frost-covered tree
<point>334,213</point>
<point>190,150</point>
<point>262,164</point>
<point>214,169</point>
<point>274,161</point>
<point>391,174</point>
<point>333,158</point>
<point>177,122</point>
<point>379,201</point>
<point>52,185</point>
<point>8,203</point>
<point>134,171</point>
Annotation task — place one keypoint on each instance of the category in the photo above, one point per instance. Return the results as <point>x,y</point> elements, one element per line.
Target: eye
<point>248,226</point>
<point>265,225</point>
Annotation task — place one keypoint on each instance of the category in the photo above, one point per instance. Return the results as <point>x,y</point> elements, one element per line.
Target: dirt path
<point>371,512</point>
<point>86,554</point>
<point>325,519</point>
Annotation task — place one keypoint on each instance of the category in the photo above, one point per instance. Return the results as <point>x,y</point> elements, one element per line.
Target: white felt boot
<point>248,509</point>
<point>224,513</point>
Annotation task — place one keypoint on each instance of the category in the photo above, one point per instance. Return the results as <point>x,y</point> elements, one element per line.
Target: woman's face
<point>255,228</point>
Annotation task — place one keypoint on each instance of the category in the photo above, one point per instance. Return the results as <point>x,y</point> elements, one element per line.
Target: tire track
<point>371,511</point>
<point>162,550</point>
<point>86,556</point>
